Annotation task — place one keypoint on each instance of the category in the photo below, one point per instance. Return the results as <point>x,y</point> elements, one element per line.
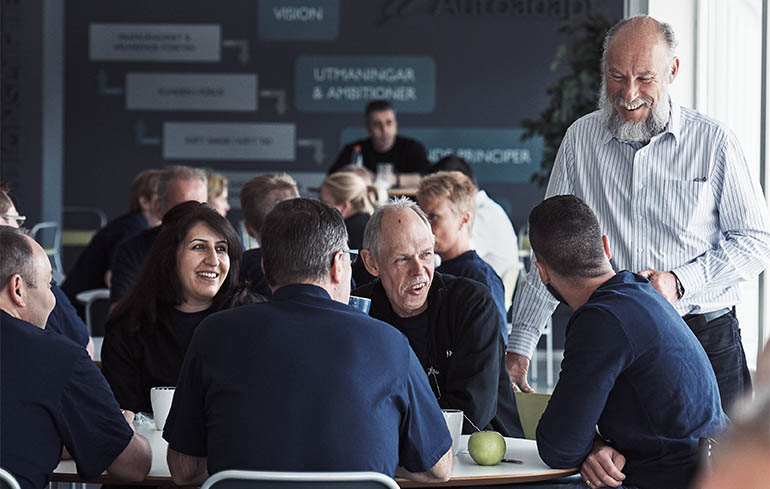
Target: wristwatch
<point>679,286</point>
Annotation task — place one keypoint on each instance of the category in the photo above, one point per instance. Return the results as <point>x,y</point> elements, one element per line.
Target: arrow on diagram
<point>103,88</point>
<point>318,148</point>
<point>280,99</point>
<point>242,45</point>
<point>141,137</point>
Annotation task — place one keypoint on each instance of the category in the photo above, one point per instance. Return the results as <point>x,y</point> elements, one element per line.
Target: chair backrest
<point>531,406</point>
<point>248,479</point>
<point>509,278</point>
<point>7,480</point>
<point>48,234</point>
<point>96,303</point>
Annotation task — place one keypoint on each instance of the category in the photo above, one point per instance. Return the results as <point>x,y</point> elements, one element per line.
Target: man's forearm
<point>186,470</point>
<point>440,472</point>
<point>532,307</point>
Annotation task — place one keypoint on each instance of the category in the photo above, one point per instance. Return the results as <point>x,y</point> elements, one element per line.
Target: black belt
<point>708,316</point>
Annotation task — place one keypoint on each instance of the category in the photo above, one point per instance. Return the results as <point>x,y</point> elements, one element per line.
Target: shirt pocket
<point>680,200</point>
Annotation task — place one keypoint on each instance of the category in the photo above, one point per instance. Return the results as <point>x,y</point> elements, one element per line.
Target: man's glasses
<point>19,219</point>
<point>353,255</point>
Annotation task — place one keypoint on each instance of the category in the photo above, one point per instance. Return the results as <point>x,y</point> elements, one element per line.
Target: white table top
<point>465,471</point>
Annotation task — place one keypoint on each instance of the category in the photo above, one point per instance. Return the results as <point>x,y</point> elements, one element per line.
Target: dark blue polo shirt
<point>633,367</point>
<point>304,383</point>
<point>470,265</point>
<point>65,320</point>
<point>52,394</point>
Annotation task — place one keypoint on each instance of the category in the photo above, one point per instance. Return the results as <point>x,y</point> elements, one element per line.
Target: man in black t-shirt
<point>384,145</point>
<point>54,401</point>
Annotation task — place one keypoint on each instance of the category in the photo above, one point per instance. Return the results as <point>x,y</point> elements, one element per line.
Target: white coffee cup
<point>161,398</point>
<point>454,421</point>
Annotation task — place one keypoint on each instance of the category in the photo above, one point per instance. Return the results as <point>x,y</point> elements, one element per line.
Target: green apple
<point>486,447</point>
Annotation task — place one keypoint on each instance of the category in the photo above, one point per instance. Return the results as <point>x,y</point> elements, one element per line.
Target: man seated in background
<point>632,368</point>
<point>92,269</point>
<point>492,236</point>
<point>176,184</point>
<point>384,146</point>
<point>325,388</point>
<point>452,323</point>
<point>449,201</point>
<point>52,396</point>
<point>63,319</point>
<point>258,197</point>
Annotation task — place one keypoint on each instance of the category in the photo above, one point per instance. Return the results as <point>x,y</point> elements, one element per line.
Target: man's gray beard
<point>641,131</point>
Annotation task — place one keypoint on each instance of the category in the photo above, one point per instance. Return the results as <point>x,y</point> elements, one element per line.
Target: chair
<point>247,479</point>
<point>531,407</point>
<point>48,234</point>
<point>9,480</point>
<point>80,224</point>
<point>89,298</point>
<point>509,278</point>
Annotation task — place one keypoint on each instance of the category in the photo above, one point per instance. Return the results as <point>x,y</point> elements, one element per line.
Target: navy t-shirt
<point>633,367</point>
<point>304,383</point>
<point>52,394</point>
<point>470,265</point>
<point>65,320</point>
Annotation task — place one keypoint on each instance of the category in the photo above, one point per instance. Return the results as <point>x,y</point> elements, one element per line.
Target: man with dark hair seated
<point>52,396</point>
<point>631,365</point>
<point>451,322</point>
<point>384,145</point>
<point>449,200</point>
<point>304,382</point>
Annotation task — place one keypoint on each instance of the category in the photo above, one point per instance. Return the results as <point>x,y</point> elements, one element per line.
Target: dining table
<point>465,472</point>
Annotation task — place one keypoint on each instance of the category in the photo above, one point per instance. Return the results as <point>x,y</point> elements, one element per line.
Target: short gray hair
<point>299,239</point>
<point>373,231</point>
<point>665,29</point>
<point>17,256</point>
<point>176,172</point>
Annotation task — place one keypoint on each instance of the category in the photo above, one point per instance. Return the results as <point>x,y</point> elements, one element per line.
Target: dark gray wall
<point>492,68</point>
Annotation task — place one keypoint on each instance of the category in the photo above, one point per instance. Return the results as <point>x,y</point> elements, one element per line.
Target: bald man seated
<point>54,401</point>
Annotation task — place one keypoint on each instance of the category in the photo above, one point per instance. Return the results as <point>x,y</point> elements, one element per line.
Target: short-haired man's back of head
<point>145,185</point>
<point>564,234</point>
<point>454,163</point>
<point>16,253</point>
<point>300,237</point>
<point>260,194</point>
<point>5,198</point>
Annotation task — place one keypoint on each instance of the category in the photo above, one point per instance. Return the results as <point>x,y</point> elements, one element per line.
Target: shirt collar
<point>292,291</point>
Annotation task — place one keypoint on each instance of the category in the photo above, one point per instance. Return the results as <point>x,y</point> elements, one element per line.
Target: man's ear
<point>17,290</point>
<point>674,70</point>
<point>543,273</point>
<point>369,262</point>
<point>250,230</point>
<point>336,272</point>
<point>466,219</point>
<point>606,242</point>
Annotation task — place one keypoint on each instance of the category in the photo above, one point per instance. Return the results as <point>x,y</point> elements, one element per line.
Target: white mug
<point>161,398</point>
<point>454,421</point>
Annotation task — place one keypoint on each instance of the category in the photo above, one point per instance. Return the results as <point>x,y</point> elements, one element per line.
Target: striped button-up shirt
<point>685,202</point>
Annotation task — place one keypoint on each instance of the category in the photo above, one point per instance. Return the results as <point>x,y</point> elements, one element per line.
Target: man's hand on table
<point>663,282</point>
<point>603,466</point>
<point>517,366</point>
